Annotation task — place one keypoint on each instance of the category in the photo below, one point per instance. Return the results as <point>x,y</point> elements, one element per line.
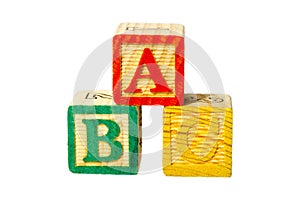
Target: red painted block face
<point>148,69</point>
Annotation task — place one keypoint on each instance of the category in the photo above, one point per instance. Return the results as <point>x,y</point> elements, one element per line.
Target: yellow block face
<point>197,137</point>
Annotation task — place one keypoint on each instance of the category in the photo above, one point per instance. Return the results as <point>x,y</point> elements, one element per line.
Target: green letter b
<point>93,140</point>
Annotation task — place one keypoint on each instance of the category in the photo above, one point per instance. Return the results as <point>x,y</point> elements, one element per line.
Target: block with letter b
<point>197,138</point>
<point>103,138</point>
<point>148,64</point>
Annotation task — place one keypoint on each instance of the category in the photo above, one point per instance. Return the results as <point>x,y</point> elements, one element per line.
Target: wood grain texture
<point>104,148</point>
<point>165,58</point>
<point>90,98</point>
<point>166,42</point>
<point>98,105</point>
<point>197,139</point>
<point>150,29</point>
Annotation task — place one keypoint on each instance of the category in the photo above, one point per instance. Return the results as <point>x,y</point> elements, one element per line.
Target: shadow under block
<point>148,64</point>
<point>197,137</point>
<point>103,138</point>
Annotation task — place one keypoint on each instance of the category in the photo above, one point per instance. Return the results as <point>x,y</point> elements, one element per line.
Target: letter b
<point>103,138</point>
<point>93,140</point>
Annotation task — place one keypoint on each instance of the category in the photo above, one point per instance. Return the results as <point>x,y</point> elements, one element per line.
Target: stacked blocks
<point>104,138</point>
<point>197,137</point>
<point>148,64</point>
<point>148,69</point>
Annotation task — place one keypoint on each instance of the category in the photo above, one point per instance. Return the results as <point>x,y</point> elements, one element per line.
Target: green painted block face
<point>103,139</point>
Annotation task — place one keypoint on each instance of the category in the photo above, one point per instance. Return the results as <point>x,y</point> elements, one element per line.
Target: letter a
<point>154,73</point>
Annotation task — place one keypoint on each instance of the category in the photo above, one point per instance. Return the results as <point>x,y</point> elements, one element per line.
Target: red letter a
<point>154,73</point>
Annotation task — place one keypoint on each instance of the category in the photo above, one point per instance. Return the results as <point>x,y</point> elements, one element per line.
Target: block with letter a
<point>148,64</point>
<point>103,138</point>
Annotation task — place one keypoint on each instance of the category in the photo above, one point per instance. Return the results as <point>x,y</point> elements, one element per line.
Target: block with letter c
<point>197,138</point>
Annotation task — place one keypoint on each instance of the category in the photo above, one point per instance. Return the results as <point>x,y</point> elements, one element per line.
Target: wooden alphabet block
<point>197,137</point>
<point>148,64</point>
<point>103,138</point>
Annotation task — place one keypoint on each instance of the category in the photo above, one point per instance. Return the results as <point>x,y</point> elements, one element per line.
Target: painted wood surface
<point>103,138</point>
<point>197,137</point>
<point>149,58</point>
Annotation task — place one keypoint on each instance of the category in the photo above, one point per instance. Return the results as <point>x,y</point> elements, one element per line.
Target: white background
<point>255,46</point>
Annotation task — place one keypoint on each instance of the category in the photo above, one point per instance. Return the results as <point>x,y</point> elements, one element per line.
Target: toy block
<point>148,64</point>
<point>197,137</point>
<point>103,138</point>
